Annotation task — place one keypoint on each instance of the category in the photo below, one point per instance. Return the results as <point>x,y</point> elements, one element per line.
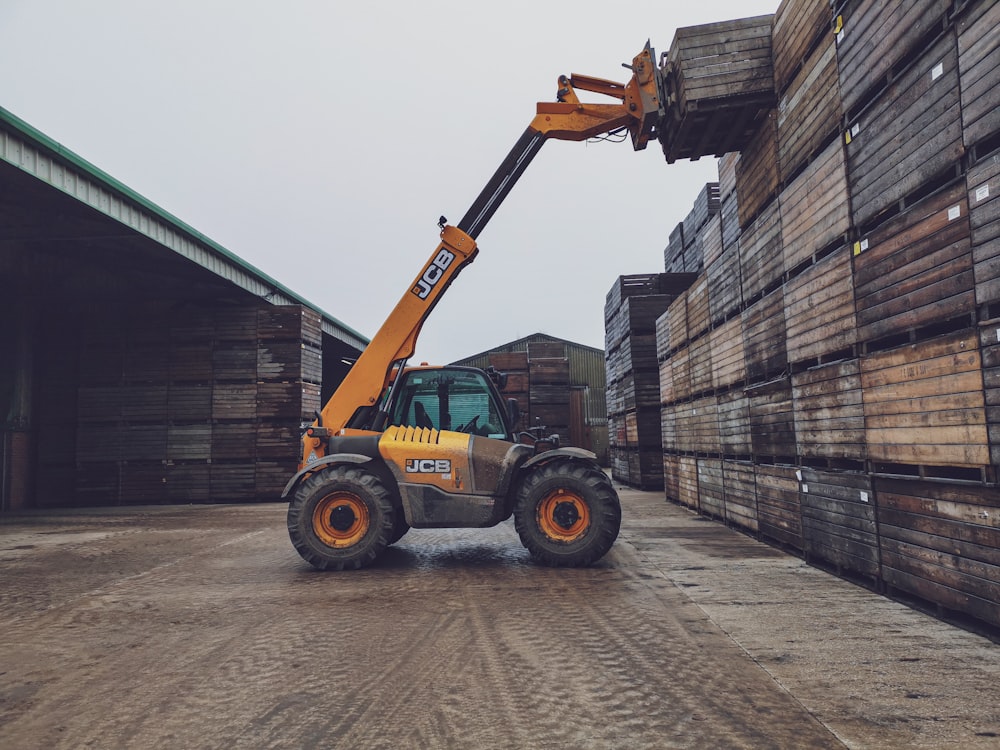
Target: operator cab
<point>458,399</point>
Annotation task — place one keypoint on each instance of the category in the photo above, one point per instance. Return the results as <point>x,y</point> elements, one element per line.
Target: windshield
<point>444,399</point>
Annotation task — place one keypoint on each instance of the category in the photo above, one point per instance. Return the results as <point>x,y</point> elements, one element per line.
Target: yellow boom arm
<point>639,109</point>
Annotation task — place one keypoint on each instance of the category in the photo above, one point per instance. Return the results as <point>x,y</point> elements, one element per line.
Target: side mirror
<point>513,413</point>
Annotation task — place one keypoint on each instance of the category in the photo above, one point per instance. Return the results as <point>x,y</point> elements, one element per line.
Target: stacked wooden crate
<point>858,419</point>
<point>515,365</point>
<point>548,383</point>
<point>633,306</point>
<point>207,408</point>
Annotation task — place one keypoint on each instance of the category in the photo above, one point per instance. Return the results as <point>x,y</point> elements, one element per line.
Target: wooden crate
<point>979,70</point>
<point>666,372</point>
<point>645,469</point>
<point>678,323</point>
<point>819,310</point>
<point>188,482</point>
<point>916,269</point>
<point>797,25</point>
<point>188,442</point>
<point>189,402</point>
<point>673,253</point>
<point>718,79</point>
<point>668,429</point>
<point>681,373</point>
<point>641,388</point>
<point>761,257</point>
<point>688,482</point>
<point>815,211</point>
<point>730,216</point>
<point>698,317</point>
<point>234,324</point>
<point>724,295</point>
<point>549,371</point>
<point>142,483</point>
<point>983,182</point>
<point>277,441</point>
<point>829,413</point>
<point>757,175</point>
<point>233,480</point>
<point>672,477</point>
<point>989,345</point>
<point>908,137</point>
<point>772,420</point>
<point>838,521</point>
<point>234,401</point>
<point>147,442</point>
<point>234,362</point>
<point>509,361</point>
<point>924,404</point>
<point>729,165</point>
<point>941,542</point>
<point>734,424</point>
<point>728,359</point>
<point>711,488</point>
<point>236,440</point>
<point>190,362</point>
<point>705,206</point>
<point>877,36</point>
<point>663,335</point>
<point>701,364</point>
<point>697,426</point>
<point>643,429</point>
<point>765,347</point>
<point>294,401</point>
<point>710,238</point>
<point>809,111</point>
<point>270,478</point>
<point>740,494</point>
<point>779,512</point>
<point>290,323</point>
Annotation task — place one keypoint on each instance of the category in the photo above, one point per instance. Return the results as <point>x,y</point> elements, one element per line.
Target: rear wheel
<point>567,514</point>
<point>340,518</point>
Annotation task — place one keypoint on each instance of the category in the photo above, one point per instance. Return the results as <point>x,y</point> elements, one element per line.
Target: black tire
<point>567,513</point>
<point>341,518</point>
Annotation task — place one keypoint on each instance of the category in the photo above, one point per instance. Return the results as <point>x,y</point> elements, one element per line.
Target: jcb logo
<point>433,273</point>
<point>428,466</point>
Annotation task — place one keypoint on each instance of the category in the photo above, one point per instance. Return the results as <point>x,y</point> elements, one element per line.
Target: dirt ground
<point>200,627</point>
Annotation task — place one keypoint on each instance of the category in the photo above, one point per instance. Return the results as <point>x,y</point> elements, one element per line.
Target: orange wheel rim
<point>563,516</point>
<point>341,519</point>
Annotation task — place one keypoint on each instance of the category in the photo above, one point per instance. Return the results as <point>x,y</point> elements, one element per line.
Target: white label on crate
<point>798,475</point>
<point>840,36</point>
<point>982,193</point>
<point>937,71</point>
<point>954,212</point>
<point>805,488</point>
<point>855,130</point>
<point>864,496</point>
<point>998,334</point>
<point>864,244</point>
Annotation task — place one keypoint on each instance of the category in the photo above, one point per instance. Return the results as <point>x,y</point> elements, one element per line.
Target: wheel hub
<point>565,514</point>
<point>342,518</point>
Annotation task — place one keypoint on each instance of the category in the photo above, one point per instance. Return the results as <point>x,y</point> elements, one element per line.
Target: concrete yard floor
<point>200,627</point>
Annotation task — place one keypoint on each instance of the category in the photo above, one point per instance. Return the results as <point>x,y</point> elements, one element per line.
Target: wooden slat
<point>698,316</point>
<point>728,358</point>
<point>908,136</point>
<point>761,259</point>
<point>941,542</point>
<point>838,521</point>
<point>979,70</point>
<point>983,182</point>
<point>877,35</point>
<point>778,506</point>
<point>819,309</point>
<point>757,173</point>
<point>797,23</point>
<point>829,413</point>
<point>724,294</point>
<point>711,488</point>
<point>989,344</point>
<point>924,403</point>
<point>916,269</point>
<point>764,329</point>
<point>809,112</point>
<point>814,208</point>
<point>734,423</point>
<point>687,473</point>
<point>772,422</point>
<point>740,492</point>
<point>701,364</point>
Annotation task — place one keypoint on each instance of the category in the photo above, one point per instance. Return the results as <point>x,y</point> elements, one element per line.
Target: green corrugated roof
<point>60,153</point>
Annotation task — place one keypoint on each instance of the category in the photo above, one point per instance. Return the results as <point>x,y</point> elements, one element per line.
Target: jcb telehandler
<point>432,447</point>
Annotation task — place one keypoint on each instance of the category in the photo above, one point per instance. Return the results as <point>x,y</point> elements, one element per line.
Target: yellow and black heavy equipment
<point>397,447</point>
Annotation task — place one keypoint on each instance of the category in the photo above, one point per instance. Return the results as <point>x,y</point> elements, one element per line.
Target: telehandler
<point>397,447</point>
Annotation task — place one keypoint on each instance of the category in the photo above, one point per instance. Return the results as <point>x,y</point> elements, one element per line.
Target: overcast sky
<point>321,141</point>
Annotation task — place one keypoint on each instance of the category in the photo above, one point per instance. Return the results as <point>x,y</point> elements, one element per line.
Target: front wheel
<point>567,514</point>
<point>340,518</point>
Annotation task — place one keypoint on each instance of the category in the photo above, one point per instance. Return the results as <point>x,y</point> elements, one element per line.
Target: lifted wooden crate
<point>718,83</point>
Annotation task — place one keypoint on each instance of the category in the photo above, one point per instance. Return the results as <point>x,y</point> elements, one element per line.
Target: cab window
<point>458,400</point>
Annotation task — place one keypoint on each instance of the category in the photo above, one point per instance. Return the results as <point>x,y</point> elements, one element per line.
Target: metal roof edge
<point>515,342</point>
<point>74,160</point>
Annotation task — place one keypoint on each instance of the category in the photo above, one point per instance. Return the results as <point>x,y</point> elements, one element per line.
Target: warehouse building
<point>559,386</point>
<point>140,362</point>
